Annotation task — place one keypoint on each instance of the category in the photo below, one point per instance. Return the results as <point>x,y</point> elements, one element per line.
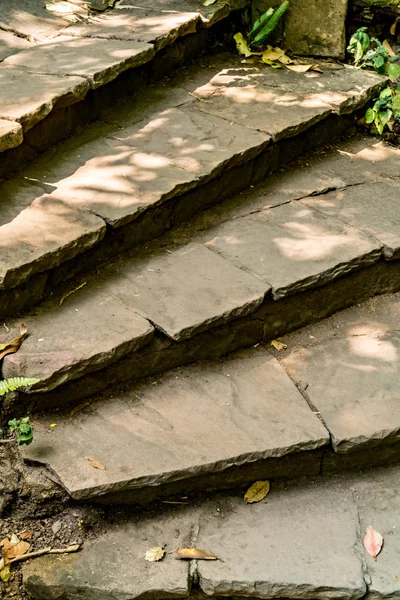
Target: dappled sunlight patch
<point>373,347</point>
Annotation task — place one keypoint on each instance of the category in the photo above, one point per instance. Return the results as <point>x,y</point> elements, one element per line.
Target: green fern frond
<point>260,22</point>
<point>15,383</point>
<point>271,24</point>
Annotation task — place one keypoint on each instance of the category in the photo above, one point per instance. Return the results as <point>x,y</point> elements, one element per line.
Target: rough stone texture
<point>62,230</point>
<point>103,60</point>
<point>187,291</point>
<point>31,18</point>
<point>89,331</point>
<point>148,163</point>
<point>160,28</point>
<point>292,248</point>
<point>378,504</point>
<point>11,44</point>
<point>16,195</point>
<point>348,368</point>
<point>284,103</point>
<point>10,134</point>
<point>197,420</point>
<point>373,208</point>
<point>113,565</point>
<point>313,27</point>
<point>30,97</point>
<point>301,542</point>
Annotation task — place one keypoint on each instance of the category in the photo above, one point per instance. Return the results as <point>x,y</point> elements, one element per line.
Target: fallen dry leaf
<point>278,345</point>
<point>257,492</point>
<point>155,554</point>
<point>304,68</point>
<point>13,547</point>
<point>5,574</point>
<point>25,535</point>
<point>372,541</point>
<point>14,345</point>
<point>394,26</point>
<point>389,48</point>
<point>242,46</point>
<point>195,554</point>
<point>96,464</point>
<point>272,53</point>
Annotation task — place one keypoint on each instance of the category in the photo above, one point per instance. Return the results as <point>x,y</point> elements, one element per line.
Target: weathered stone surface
<point>378,504</point>
<point>30,97</point>
<point>252,97</point>
<point>32,19</point>
<point>113,565</point>
<point>313,27</point>
<point>348,367</point>
<point>16,194</point>
<point>88,332</point>
<point>187,291</point>
<point>150,162</point>
<point>104,59</point>
<point>374,208</point>
<point>208,14</point>
<point>293,248</point>
<point>63,232</point>
<point>10,134</point>
<point>196,142</point>
<point>301,542</point>
<point>11,44</point>
<point>134,23</point>
<point>189,422</point>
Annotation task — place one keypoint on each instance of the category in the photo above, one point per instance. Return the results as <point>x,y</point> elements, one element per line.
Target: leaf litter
<point>257,492</point>
<point>373,541</point>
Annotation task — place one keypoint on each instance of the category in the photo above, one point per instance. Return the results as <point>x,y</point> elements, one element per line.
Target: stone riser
<point>271,320</point>
<point>157,220</point>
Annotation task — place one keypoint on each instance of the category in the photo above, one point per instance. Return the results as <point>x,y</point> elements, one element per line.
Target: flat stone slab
<point>378,505</point>
<point>11,44</point>
<point>301,542</point>
<point>134,23</point>
<point>152,161</point>
<point>10,134</point>
<point>348,367</point>
<point>88,332</point>
<point>32,19</point>
<point>292,248</point>
<point>373,208</point>
<point>30,97</point>
<point>104,59</point>
<point>188,422</point>
<point>42,236</point>
<point>113,565</point>
<point>284,103</point>
<point>188,291</point>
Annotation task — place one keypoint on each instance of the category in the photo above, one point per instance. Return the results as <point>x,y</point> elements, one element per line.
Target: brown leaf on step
<point>96,464</point>
<point>257,492</point>
<point>25,535</point>
<point>195,554</point>
<point>389,48</point>
<point>372,541</point>
<point>14,345</point>
<point>278,345</point>
<point>14,547</point>
<point>155,554</point>
<point>304,68</point>
<point>394,26</point>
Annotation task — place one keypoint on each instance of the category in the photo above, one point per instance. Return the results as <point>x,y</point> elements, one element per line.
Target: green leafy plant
<point>23,429</point>
<point>370,53</point>
<point>16,383</point>
<point>264,27</point>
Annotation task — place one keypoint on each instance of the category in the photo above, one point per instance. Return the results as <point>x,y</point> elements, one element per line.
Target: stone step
<point>301,542</point>
<point>62,58</point>
<point>331,405</point>
<point>150,166</point>
<point>283,255</point>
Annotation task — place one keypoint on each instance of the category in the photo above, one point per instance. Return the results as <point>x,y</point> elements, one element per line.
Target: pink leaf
<point>372,541</point>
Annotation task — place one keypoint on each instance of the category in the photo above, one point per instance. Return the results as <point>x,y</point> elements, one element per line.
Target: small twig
<point>197,98</point>
<point>48,550</point>
<point>68,294</point>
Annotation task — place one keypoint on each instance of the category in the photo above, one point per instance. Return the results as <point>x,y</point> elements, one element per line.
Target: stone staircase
<point>153,257</point>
